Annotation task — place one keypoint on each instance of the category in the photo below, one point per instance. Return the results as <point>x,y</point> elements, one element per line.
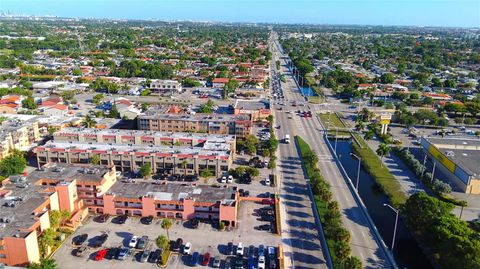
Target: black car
<point>264,227</point>
<point>99,240</point>
<point>147,220</point>
<point>155,256</point>
<point>121,219</point>
<point>229,248</point>
<point>195,223</point>
<point>177,244</point>
<point>239,262</point>
<point>79,239</point>
<point>267,218</point>
<point>112,253</point>
<point>103,218</point>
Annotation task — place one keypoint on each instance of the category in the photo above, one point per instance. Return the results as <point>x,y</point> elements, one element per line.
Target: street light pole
<point>395,229</point>
<point>358,169</point>
<point>433,171</point>
<point>424,167</point>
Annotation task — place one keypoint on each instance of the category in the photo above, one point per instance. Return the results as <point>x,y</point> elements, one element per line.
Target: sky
<point>452,13</point>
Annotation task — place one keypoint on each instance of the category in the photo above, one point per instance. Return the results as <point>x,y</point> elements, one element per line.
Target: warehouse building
<point>458,158</point>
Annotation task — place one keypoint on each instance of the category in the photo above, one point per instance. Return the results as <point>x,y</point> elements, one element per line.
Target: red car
<point>101,254</point>
<point>268,202</point>
<point>205,258</point>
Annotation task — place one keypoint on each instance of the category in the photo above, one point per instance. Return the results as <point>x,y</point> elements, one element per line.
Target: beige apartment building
<point>240,125</point>
<point>16,134</point>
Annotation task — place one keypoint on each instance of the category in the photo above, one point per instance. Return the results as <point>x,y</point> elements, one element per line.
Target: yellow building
<point>16,134</point>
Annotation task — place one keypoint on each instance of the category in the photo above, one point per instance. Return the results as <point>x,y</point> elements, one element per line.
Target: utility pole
<point>424,167</point>
<point>433,171</point>
<point>358,170</point>
<point>395,229</point>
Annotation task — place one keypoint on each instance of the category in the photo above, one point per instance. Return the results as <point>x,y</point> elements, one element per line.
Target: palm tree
<point>342,250</point>
<point>383,150</point>
<point>162,242</point>
<point>353,262</point>
<point>89,122</point>
<point>360,126</point>
<point>369,135</point>
<point>167,224</point>
<point>184,166</point>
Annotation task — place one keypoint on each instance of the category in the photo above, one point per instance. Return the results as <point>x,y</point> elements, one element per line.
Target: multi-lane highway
<point>364,242</point>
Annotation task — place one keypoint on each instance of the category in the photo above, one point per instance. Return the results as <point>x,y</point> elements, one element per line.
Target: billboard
<point>440,157</point>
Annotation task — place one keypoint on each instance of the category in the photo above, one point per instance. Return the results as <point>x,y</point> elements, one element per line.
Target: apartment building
<point>165,86</point>
<point>240,125</point>
<point>28,200</point>
<point>128,157</point>
<point>257,109</point>
<point>145,138</point>
<point>17,134</point>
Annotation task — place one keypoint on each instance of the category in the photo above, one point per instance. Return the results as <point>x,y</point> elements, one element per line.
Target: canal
<point>406,251</point>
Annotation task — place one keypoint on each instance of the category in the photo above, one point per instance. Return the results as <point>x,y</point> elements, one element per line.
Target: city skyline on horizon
<point>462,13</point>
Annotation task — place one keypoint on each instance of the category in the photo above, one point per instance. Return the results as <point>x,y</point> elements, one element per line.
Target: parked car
<point>251,262</point>
<point>103,218</point>
<point>261,250</point>
<point>122,254</point>
<point>195,258</point>
<point>267,181</point>
<point>194,223</point>
<point>239,262</point>
<point>177,244</point>
<point>145,255</point>
<point>79,239</point>
<point>205,259</point>
<point>101,254</point>
<point>155,256</point>
<point>216,262</point>
<point>99,240</point>
<point>133,241</point>
<point>264,227</point>
<point>224,179</point>
<point>271,252</point>
<point>142,242</point>
<point>80,252</point>
<point>147,220</point>
<point>261,262</point>
<point>229,248</point>
<point>187,248</point>
<point>230,179</point>
<point>240,248</point>
<point>121,219</point>
<point>112,253</point>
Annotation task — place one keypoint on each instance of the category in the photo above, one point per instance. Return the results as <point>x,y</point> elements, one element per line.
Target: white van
<point>287,139</point>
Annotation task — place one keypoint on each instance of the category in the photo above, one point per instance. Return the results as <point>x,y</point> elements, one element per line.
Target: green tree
<point>58,218</point>
<point>47,240</point>
<point>383,150</point>
<point>387,78</point>
<point>95,159</point>
<point>270,119</point>
<point>167,224</point>
<point>29,103</point>
<point>162,242</point>
<point>251,144</point>
<point>13,164</point>
<point>97,98</point>
<point>113,113</point>
<point>146,170</point>
<point>230,88</point>
<point>44,264</point>
<point>342,251</point>
<point>207,107</point>
<point>89,122</point>
<point>352,262</point>
<point>252,171</point>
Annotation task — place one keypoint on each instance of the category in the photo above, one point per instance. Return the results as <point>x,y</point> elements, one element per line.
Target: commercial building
<point>128,150</point>
<point>240,125</point>
<point>257,109</point>
<point>165,86</point>
<point>458,158</point>
<point>28,200</point>
<point>17,134</point>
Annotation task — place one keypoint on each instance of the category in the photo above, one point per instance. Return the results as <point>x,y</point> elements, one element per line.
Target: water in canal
<point>406,251</point>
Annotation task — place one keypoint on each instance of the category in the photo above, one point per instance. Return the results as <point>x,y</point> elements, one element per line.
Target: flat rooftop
<point>462,150</point>
<point>213,138</point>
<point>252,104</point>
<point>26,200</point>
<point>70,172</point>
<point>153,114</point>
<point>173,191</point>
<point>223,150</point>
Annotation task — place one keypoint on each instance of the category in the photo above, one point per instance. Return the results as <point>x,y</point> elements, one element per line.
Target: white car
<point>187,248</point>
<point>133,242</point>
<point>267,181</point>
<point>230,179</point>
<point>118,174</point>
<point>240,249</point>
<point>224,179</point>
<point>261,262</point>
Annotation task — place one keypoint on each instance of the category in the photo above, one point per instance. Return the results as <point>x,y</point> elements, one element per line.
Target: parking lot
<point>205,238</point>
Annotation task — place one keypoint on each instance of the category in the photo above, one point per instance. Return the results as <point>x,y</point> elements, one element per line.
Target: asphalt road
<point>300,238</point>
<point>363,242</point>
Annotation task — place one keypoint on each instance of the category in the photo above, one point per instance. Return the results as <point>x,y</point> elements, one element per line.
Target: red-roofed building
<point>219,82</point>
<point>438,96</point>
